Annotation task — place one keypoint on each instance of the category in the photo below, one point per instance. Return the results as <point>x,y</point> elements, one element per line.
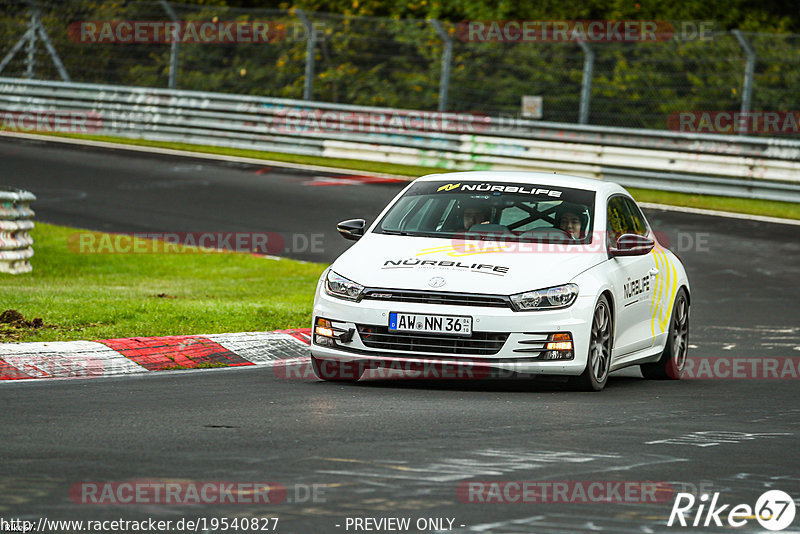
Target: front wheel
<point>595,376</point>
<point>673,359</point>
<point>336,371</point>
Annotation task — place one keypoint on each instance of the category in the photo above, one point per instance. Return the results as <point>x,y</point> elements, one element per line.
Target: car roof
<point>526,177</point>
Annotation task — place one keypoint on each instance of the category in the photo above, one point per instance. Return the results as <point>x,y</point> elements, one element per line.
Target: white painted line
<point>717,213</point>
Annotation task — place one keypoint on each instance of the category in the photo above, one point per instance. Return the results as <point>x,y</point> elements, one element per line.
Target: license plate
<point>454,325</point>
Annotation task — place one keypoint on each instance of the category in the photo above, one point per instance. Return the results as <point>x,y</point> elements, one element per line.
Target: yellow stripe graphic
<point>673,293</point>
<point>457,251</point>
<point>656,291</point>
<point>664,293</point>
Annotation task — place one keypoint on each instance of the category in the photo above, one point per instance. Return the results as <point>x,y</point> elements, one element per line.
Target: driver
<point>474,211</point>
<point>570,218</point>
<point>475,215</point>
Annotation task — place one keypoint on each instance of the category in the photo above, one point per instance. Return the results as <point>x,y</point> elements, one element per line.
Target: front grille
<point>438,297</point>
<point>481,343</point>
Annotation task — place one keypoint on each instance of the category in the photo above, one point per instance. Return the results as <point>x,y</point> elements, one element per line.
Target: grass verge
<point>97,296</point>
<point>788,210</point>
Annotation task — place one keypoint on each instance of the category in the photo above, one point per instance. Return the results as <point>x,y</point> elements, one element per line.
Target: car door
<point>632,278</point>
<point>664,286</point>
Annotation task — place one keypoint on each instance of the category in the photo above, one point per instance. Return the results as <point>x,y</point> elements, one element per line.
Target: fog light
<point>323,331</point>
<point>327,335</point>
<point>558,347</point>
<point>560,342</point>
<point>324,327</point>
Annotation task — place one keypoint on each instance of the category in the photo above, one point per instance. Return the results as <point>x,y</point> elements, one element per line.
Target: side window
<point>619,218</point>
<point>637,219</point>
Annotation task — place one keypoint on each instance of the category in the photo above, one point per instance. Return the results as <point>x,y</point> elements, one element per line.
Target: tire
<point>673,359</point>
<point>601,340</point>
<point>336,371</point>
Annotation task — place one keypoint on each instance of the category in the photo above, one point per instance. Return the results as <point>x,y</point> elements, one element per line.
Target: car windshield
<point>493,210</point>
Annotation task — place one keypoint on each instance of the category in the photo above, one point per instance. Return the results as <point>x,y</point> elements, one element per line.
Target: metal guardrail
<point>748,167</point>
<point>16,244</point>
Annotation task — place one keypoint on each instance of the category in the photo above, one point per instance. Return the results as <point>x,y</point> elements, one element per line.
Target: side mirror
<point>352,229</point>
<point>631,245</point>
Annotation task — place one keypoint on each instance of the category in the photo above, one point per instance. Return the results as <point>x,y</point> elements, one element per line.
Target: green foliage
<point>370,52</point>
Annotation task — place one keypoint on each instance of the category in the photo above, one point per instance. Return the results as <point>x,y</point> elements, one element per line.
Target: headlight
<point>341,287</point>
<point>546,299</point>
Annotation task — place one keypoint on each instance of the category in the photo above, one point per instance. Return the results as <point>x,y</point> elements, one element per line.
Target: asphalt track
<point>389,448</point>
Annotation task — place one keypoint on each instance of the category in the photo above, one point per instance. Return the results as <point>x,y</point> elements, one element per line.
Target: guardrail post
<point>749,74</point>
<point>447,57</point>
<point>173,48</point>
<point>311,44</point>
<point>586,82</point>
<point>15,225</point>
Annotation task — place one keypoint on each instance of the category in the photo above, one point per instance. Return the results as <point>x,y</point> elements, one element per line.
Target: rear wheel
<point>673,359</point>
<point>598,364</point>
<point>336,371</point>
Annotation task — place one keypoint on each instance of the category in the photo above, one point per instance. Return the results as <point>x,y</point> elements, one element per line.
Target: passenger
<point>571,219</point>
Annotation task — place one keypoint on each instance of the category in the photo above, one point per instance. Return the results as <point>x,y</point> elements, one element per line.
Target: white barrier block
<point>67,359</point>
<point>261,347</point>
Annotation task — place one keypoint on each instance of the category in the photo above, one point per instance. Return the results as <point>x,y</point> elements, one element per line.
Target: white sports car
<point>518,272</point>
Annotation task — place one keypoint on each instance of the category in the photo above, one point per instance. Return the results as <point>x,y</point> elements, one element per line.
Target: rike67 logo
<point>774,510</point>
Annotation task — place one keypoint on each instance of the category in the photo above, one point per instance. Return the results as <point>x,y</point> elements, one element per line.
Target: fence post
<point>586,82</point>
<point>749,73</point>
<point>30,60</point>
<point>35,27</point>
<point>15,225</point>
<point>173,47</point>
<point>311,43</point>
<point>447,57</point>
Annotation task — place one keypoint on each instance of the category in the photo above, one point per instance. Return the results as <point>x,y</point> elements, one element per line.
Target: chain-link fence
<point>414,64</point>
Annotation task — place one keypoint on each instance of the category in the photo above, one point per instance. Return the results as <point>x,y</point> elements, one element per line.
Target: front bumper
<point>502,338</point>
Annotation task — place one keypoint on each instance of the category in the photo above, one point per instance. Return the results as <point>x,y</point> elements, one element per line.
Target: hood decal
<point>447,265</point>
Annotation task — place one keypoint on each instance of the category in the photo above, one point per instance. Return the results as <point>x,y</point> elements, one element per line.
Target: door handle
<point>652,272</point>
